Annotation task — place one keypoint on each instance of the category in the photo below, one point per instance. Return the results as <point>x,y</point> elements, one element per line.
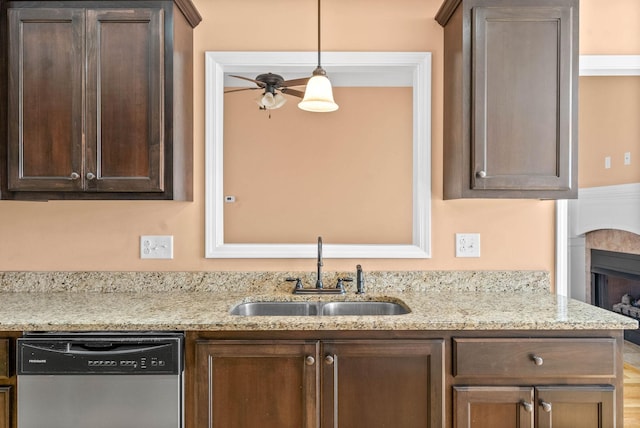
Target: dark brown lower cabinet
<point>379,383</point>
<point>7,380</point>
<point>404,379</point>
<point>5,406</point>
<point>540,407</point>
<point>310,384</point>
<point>257,383</point>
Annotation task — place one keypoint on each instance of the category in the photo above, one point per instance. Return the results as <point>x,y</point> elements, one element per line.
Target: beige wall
<point>609,127</point>
<point>104,235</point>
<point>346,176</point>
<point>609,27</point>
<point>609,106</point>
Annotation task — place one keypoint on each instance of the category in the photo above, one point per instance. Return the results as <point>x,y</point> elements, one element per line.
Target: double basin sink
<point>319,308</point>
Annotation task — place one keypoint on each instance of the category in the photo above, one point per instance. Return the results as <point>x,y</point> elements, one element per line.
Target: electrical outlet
<point>627,158</point>
<point>607,162</point>
<point>156,247</point>
<point>467,245</point>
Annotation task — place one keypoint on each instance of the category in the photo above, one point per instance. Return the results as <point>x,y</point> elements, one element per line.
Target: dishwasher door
<point>105,382</point>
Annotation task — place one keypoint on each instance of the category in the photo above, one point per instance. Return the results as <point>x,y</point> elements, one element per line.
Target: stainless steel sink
<point>318,308</point>
<point>275,309</point>
<point>363,308</point>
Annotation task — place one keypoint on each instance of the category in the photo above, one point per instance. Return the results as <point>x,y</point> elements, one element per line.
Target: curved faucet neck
<point>319,273</point>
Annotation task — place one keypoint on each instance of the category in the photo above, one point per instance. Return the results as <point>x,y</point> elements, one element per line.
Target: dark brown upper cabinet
<point>100,100</point>
<point>510,98</point>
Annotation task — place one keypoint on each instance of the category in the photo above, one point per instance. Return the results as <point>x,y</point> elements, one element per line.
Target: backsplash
<point>256,282</point>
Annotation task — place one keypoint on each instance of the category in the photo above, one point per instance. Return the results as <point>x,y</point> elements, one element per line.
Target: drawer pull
<point>537,360</point>
<point>328,360</point>
<point>545,406</point>
<point>527,406</point>
<point>309,360</point>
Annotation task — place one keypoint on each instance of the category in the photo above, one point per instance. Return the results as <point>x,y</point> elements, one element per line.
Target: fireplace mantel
<point>609,207</point>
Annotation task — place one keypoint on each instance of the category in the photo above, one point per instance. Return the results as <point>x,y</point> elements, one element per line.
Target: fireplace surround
<point>602,218</point>
<point>615,285</point>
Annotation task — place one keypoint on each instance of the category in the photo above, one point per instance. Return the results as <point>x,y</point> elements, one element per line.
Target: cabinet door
<point>577,406</point>
<point>522,59</point>
<point>125,100</point>
<point>5,407</point>
<point>493,407</point>
<point>378,383</point>
<point>248,384</point>
<point>46,62</point>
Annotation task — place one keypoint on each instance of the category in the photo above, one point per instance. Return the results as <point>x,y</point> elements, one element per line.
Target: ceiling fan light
<point>318,96</point>
<point>279,101</point>
<point>271,102</point>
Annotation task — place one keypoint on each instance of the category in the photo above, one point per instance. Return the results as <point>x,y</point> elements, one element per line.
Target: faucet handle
<point>341,281</point>
<point>298,282</point>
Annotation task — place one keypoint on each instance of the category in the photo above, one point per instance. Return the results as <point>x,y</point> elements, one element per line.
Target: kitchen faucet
<point>319,288</point>
<point>319,271</point>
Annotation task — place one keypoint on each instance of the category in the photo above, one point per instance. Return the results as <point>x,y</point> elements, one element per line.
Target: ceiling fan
<point>273,86</point>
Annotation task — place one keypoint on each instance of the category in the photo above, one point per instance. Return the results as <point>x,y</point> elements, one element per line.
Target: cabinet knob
<point>90,176</point>
<point>74,175</point>
<point>309,360</point>
<point>481,174</point>
<point>328,360</point>
<point>545,406</point>
<point>538,361</point>
<point>527,406</point>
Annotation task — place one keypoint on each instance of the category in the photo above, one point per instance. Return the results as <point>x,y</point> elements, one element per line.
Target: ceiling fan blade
<point>293,92</point>
<point>257,82</point>
<point>295,82</point>
<point>240,89</point>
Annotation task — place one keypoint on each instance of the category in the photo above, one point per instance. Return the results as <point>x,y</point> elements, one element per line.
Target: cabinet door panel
<point>522,98</point>
<point>579,406</point>
<point>5,407</point>
<point>4,358</point>
<point>375,384</point>
<point>125,135</point>
<point>46,57</point>
<point>266,384</point>
<point>493,407</point>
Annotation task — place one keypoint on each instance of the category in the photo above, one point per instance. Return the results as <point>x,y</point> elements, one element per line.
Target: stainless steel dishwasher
<point>100,380</point>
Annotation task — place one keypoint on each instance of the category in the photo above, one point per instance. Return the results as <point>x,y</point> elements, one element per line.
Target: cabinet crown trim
<point>189,11</point>
<point>446,10</point>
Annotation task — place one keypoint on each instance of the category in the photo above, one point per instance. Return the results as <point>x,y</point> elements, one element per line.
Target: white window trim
<point>336,63</point>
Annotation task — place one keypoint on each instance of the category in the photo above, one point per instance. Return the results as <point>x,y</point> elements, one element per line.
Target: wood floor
<point>631,385</point>
<point>631,396</point>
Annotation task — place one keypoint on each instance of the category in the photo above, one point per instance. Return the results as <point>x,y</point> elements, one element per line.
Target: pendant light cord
<point>319,34</point>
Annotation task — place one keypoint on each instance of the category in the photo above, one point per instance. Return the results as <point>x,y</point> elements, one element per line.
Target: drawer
<point>516,358</point>
<point>4,358</point>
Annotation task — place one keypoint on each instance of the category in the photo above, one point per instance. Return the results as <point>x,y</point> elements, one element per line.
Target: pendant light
<point>318,96</point>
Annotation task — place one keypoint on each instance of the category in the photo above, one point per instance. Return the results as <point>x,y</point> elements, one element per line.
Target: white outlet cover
<point>156,247</point>
<point>467,245</point>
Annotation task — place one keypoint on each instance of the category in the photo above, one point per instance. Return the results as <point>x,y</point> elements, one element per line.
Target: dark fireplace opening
<point>615,285</point>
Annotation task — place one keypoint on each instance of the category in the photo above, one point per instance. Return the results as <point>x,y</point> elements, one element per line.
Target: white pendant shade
<point>271,102</point>
<point>318,96</point>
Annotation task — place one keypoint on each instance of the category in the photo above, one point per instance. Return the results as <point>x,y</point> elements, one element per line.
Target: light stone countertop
<point>77,301</point>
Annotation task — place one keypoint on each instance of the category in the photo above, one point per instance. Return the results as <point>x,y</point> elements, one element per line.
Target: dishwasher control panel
<point>99,355</point>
